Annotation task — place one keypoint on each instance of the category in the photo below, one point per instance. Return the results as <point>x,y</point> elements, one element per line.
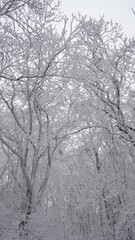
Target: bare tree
<point>32,96</point>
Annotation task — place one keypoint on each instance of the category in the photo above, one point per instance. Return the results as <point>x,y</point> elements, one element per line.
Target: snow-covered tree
<point>67,130</point>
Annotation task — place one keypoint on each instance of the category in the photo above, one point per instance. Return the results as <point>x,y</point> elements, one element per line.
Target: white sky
<point>118,10</point>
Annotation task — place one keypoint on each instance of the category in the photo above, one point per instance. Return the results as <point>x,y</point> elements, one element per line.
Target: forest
<point>67,125</point>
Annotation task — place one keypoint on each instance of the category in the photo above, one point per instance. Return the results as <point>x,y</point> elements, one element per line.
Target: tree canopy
<point>67,125</point>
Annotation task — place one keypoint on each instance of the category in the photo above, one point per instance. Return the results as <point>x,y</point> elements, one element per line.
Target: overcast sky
<point>118,10</point>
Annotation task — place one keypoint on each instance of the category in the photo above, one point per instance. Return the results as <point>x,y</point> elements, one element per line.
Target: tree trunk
<point>23,225</point>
